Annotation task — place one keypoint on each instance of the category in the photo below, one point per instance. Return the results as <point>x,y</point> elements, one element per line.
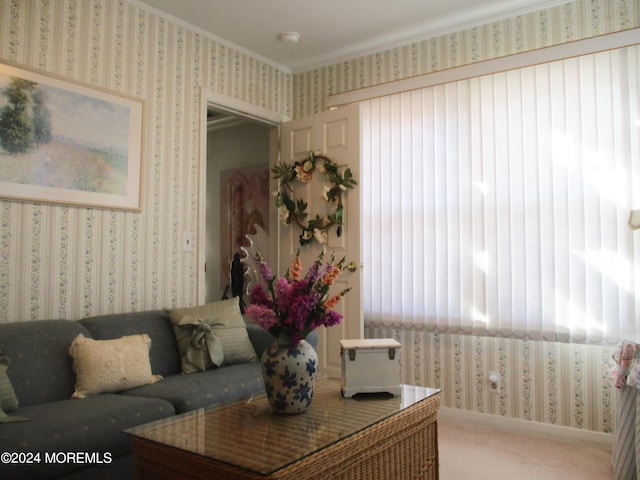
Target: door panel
<point>297,139</point>
<point>302,141</point>
<point>336,135</point>
<point>340,140</point>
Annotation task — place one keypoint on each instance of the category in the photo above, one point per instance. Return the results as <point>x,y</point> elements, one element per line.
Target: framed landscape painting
<point>61,142</point>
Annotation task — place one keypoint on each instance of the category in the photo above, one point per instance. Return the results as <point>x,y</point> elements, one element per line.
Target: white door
<point>336,134</point>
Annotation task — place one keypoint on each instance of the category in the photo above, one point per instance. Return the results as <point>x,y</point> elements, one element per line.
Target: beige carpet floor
<point>469,451</point>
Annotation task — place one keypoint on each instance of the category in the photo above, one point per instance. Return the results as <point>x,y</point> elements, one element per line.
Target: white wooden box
<point>370,366</point>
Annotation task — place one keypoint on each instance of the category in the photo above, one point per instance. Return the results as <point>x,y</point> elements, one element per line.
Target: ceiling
<point>334,30</point>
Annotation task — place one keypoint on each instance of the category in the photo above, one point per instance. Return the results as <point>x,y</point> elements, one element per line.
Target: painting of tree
<point>16,127</point>
<point>63,138</point>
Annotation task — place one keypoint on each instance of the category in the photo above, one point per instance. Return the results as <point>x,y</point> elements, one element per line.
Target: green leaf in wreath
<point>348,180</point>
<point>286,173</point>
<point>316,223</point>
<point>336,217</point>
<point>288,203</point>
<point>282,171</point>
<point>332,194</point>
<point>302,207</point>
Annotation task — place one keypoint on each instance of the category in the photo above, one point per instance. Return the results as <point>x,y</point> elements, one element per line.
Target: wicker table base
<point>401,446</point>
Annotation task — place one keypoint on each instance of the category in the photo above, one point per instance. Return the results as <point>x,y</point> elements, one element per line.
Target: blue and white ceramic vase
<point>289,376</point>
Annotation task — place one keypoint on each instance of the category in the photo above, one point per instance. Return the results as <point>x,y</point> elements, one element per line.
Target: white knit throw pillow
<point>103,366</point>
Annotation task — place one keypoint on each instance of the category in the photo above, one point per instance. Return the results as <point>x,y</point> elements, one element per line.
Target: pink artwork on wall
<point>244,203</point>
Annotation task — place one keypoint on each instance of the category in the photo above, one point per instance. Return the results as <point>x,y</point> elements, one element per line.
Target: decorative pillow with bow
<point>212,335</point>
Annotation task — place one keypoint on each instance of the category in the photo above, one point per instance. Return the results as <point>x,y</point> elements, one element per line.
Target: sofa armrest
<point>261,339</point>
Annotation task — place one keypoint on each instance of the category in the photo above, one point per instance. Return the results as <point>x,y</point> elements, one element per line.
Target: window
<point>498,205</point>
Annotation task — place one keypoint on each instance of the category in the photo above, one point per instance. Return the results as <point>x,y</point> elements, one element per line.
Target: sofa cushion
<point>164,355</point>
<point>93,425</point>
<point>40,370</point>
<point>202,389</point>
<point>215,326</point>
<point>111,365</point>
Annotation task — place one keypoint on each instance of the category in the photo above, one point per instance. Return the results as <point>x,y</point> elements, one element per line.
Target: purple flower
<point>264,316</point>
<point>301,308</point>
<point>300,288</point>
<point>314,273</point>
<point>265,271</point>
<point>283,294</point>
<point>331,318</point>
<point>259,296</point>
<point>296,338</point>
<point>289,307</point>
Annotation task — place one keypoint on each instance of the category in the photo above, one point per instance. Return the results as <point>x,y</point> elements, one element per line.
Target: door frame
<point>212,99</point>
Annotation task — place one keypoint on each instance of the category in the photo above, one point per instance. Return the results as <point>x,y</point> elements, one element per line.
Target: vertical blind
<point>498,205</point>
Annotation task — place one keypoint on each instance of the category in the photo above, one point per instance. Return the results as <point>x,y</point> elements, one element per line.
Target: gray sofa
<point>58,426</point>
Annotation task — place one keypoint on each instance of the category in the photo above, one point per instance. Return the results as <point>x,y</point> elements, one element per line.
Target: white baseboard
<point>555,432</point>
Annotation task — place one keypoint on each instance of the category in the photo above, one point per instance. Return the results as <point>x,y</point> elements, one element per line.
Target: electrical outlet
<point>494,382</point>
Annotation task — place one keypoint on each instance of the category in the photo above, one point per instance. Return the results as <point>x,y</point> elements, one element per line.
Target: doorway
<point>237,192</point>
<point>340,136</point>
<point>213,101</point>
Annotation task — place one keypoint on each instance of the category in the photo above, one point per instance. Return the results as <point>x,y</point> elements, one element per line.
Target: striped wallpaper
<point>551,26</point>
<point>554,383</point>
<point>71,262</point>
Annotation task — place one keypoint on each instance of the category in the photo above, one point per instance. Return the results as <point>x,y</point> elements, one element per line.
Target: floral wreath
<point>292,210</point>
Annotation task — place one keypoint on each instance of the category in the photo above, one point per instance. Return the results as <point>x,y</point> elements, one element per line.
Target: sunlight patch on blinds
<point>498,205</point>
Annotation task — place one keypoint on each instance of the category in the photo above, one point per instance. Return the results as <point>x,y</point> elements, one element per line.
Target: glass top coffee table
<point>375,437</point>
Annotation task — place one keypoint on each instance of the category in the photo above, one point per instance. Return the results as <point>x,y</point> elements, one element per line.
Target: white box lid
<point>369,343</point>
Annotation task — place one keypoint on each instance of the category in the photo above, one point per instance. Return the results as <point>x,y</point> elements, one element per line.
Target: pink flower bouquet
<point>292,306</point>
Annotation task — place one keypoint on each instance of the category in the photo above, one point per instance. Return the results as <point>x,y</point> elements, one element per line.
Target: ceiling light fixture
<point>290,37</point>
